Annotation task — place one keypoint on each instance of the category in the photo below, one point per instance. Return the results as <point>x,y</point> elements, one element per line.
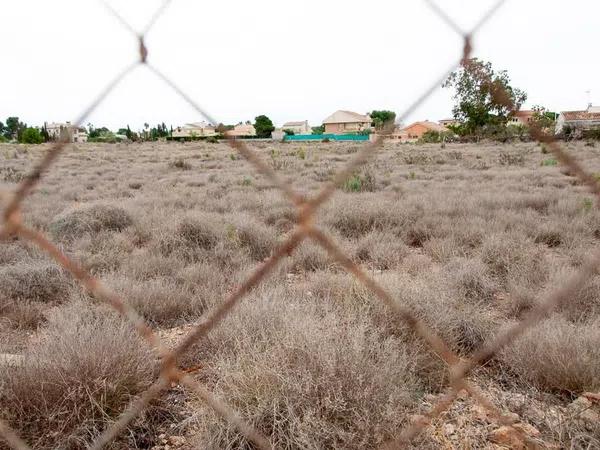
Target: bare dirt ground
<point>470,236</point>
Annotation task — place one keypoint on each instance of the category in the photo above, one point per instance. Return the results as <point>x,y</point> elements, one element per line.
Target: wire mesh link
<point>459,369</point>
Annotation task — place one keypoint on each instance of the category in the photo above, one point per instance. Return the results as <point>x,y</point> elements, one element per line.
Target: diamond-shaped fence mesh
<point>307,208</point>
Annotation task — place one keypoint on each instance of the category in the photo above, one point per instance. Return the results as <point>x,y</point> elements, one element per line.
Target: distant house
<point>242,129</point>
<point>582,120</point>
<point>196,129</point>
<point>342,122</point>
<point>298,127</point>
<point>398,134</point>
<point>448,122</point>
<point>417,129</point>
<point>523,117</point>
<point>66,132</point>
<point>278,135</point>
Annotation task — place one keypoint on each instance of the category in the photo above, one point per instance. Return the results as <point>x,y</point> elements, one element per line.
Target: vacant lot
<point>470,236</point>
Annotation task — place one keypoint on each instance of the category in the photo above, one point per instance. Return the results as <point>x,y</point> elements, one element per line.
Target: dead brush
<point>90,219</point>
<point>35,281</point>
<point>180,164</point>
<point>64,393</point>
<point>544,356</point>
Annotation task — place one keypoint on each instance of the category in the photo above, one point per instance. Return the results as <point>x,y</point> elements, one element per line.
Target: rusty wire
<point>458,368</point>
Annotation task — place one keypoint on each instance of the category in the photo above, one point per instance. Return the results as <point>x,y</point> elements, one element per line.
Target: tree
<point>288,132</point>
<point>96,132</point>
<point>318,130</point>
<point>382,118</point>
<point>263,126</point>
<point>31,136</point>
<point>2,127</point>
<point>542,118</point>
<point>14,128</point>
<point>45,134</point>
<point>482,97</point>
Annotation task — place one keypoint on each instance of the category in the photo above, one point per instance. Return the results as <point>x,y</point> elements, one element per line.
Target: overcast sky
<point>291,60</point>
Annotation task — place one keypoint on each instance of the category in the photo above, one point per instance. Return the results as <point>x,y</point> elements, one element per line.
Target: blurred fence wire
<point>307,208</point>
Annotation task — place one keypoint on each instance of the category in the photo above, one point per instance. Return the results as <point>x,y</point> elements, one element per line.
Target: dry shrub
<point>306,377</point>
<point>382,251</point>
<point>80,374</point>
<point>309,257</point>
<point>416,234</point>
<point>557,355</point>
<point>37,281</point>
<point>356,218</point>
<point>21,314</point>
<point>159,301</point>
<point>509,257</point>
<point>143,266</point>
<point>549,235</point>
<point>198,233</point>
<point>180,164</point>
<point>340,288</point>
<point>206,282</point>
<point>192,237</point>
<point>90,219</point>
<point>471,280</point>
<point>464,325</point>
<point>256,238</point>
<point>584,305</point>
<point>13,252</point>
<point>442,249</point>
<point>104,251</point>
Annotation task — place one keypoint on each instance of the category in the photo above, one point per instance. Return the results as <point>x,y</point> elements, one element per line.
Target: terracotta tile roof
<point>580,115</point>
<point>429,125</point>
<point>347,117</point>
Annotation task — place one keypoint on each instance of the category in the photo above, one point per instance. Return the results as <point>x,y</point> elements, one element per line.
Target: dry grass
<point>75,379</point>
<point>470,237</point>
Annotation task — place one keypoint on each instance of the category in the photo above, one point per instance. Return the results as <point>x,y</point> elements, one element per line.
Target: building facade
<point>587,119</point>
<point>346,122</point>
<point>242,129</point>
<point>298,127</point>
<point>196,129</point>
<point>66,132</point>
<point>416,130</point>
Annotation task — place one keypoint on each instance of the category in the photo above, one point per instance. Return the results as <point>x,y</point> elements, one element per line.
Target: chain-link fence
<point>307,208</point>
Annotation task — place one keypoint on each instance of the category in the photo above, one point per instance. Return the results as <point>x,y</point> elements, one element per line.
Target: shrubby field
<point>470,236</point>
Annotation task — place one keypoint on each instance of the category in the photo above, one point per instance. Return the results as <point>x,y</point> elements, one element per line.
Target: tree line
<point>484,103</point>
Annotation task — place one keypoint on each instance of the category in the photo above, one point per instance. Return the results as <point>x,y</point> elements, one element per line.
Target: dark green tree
<point>14,128</point>
<point>264,126</point>
<point>45,134</point>
<point>2,127</point>
<point>382,118</point>
<point>318,130</point>
<point>482,96</point>
<point>96,132</point>
<point>31,136</point>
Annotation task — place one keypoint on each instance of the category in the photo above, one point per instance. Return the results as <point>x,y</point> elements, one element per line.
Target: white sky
<point>291,60</point>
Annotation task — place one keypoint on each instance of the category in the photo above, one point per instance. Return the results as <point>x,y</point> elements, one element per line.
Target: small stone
<point>583,409</point>
<point>592,396</point>
<point>177,441</point>
<point>511,417</point>
<point>449,429</point>
<point>507,436</point>
<point>430,398</point>
<point>480,413</point>
<point>528,429</point>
